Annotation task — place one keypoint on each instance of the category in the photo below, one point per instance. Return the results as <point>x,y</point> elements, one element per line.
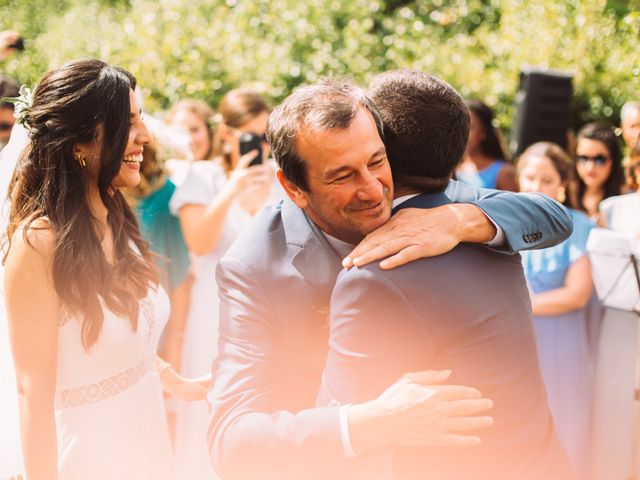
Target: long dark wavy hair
<point>69,105</point>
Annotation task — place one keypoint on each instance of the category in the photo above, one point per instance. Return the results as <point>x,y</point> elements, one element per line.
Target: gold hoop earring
<point>80,159</point>
<point>561,196</point>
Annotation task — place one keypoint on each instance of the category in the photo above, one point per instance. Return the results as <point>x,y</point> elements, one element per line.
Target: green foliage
<point>203,48</point>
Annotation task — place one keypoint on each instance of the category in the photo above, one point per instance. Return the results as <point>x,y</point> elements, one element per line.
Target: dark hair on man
<point>604,134</point>
<point>70,105</point>
<point>426,127</point>
<point>490,145</point>
<point>327,105</point>
<point>8,88</point>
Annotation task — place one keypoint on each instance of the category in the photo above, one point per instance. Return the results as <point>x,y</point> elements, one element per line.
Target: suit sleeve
<point>530,221</point>
<point>249,436</point>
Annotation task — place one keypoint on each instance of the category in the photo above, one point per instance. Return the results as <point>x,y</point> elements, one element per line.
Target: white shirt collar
<point>404,198</point>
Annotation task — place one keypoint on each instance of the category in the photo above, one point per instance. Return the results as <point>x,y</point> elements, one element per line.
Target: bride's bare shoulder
<point>37,236</point>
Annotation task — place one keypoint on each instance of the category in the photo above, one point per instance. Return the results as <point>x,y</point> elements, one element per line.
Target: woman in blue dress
<point>560,284</point>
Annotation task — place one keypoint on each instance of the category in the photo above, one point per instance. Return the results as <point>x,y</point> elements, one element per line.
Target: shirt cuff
<point>343,413</point>
<point>499,240</point>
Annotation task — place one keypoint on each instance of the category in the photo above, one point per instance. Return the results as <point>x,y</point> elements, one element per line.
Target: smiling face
<point>129,173</point>
<point>538,174</point>
<point>592,172</point>
<point>349,179</point>
<point>198,131</point>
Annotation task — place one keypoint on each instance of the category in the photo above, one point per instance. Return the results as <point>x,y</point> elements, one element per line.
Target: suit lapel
<point>313,256</point>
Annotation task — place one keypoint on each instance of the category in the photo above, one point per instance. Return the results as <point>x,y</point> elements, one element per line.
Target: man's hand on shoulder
<point>415,233</point>
<point>417,412</point>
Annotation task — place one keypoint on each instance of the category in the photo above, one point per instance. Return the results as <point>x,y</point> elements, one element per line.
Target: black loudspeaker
<point>542,109</point>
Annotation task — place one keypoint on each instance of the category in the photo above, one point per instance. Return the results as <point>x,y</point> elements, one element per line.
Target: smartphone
<point>18,44</point>
<point>249,142</point>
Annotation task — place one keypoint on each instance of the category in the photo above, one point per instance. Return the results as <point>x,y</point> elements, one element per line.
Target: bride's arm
<point>177,386</point>
<point>32,311</point>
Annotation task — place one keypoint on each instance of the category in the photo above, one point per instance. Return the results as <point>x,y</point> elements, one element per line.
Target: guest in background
<point>559,280</point>
<point>599,168</point>
<point>630,123</point>
<point>10,43</point>
<point>150,200</point>
<point>194,117</point>
<point>486,161</point>
<point>622,213</point>
<point>215,203</point>
<point>8,88</point>
<point>614,406</point>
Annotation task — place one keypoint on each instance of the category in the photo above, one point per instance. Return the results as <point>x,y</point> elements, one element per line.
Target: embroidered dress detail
<point>109,387</point>
<point>147,314</point>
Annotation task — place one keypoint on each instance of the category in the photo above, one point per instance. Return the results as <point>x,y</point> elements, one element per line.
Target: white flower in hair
<point>21,105</point>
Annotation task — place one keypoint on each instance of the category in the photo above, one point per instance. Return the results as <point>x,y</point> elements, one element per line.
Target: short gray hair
<point>326,105</point>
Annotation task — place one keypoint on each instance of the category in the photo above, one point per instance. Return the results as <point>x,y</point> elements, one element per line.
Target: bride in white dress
<point>84,308</point>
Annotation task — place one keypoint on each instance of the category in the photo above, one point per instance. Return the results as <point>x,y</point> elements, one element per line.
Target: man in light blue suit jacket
<point>468,310</point>
<point>275,284</point>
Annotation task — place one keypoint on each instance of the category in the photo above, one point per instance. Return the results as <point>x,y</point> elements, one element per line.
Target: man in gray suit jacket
<point>468,309</point>
<point>275,284</point>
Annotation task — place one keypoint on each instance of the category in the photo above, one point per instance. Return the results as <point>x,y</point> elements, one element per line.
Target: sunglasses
<point>598,160</point>
<point>5,126</point>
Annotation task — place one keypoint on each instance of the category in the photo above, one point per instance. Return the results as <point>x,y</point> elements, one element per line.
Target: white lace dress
<point>109,410</point>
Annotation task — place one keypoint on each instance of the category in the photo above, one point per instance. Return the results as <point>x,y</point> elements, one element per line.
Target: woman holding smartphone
<point>214,203</point>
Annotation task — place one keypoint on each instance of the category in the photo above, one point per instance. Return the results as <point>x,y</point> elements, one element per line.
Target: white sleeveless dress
<point>109,410</point>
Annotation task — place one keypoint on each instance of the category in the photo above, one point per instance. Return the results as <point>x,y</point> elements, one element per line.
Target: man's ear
<point>294,192</point>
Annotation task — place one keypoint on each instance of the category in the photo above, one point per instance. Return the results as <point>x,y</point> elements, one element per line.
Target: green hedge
<point>203,48</point>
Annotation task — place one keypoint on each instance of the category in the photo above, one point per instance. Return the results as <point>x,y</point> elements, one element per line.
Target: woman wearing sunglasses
<point>216,200</point>
<point>598,167</point>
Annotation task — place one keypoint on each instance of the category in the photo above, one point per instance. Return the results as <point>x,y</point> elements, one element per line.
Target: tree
<point>203,48</point>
